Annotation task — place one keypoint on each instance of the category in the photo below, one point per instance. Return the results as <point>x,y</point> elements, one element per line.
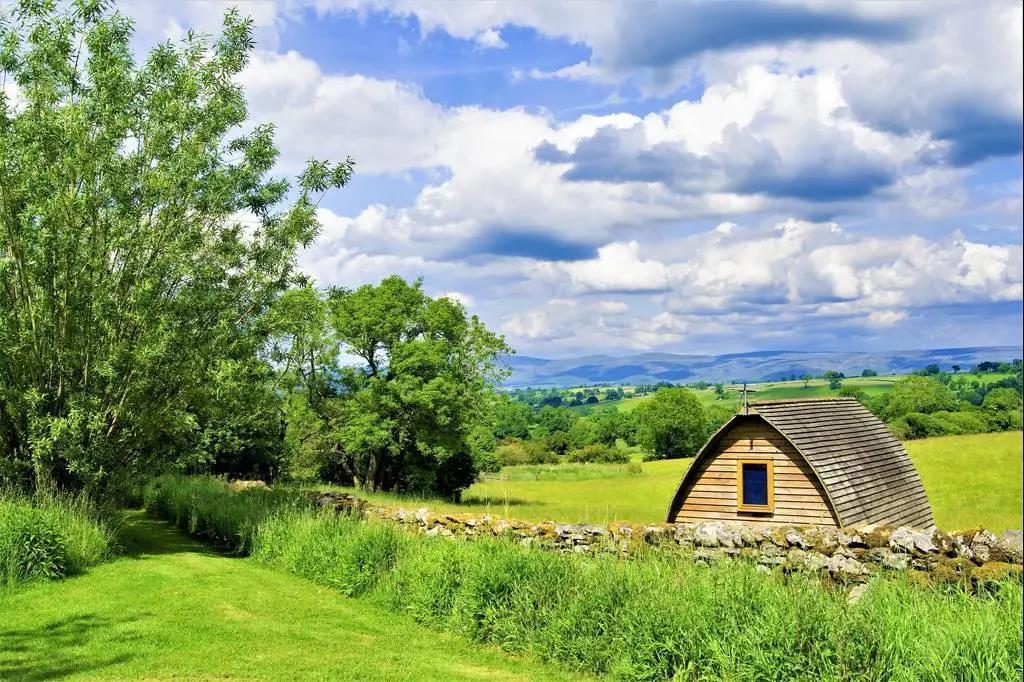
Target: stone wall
<point>849,554</point>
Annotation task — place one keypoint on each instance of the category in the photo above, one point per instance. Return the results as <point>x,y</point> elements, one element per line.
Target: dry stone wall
<point>848,554</point>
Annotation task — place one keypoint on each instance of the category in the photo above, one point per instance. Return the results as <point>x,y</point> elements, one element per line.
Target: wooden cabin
<point>824,462</point>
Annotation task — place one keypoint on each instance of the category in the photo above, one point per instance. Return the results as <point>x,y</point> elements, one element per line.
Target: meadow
<point>655,617</point>
<point>783,390</point>
<point>973,480</point>
<point>170,607</point>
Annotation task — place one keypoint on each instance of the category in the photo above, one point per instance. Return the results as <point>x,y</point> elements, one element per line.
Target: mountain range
<point>650,368</point>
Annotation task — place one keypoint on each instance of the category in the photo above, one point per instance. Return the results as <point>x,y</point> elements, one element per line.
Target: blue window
<point>755,486</point>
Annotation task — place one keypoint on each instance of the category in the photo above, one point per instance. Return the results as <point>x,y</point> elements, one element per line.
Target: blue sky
<point>685,177</point>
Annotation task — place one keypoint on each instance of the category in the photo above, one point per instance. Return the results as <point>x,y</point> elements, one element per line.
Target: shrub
<point>513,452</point>
<point>598,453</point>
<point>47,538</point>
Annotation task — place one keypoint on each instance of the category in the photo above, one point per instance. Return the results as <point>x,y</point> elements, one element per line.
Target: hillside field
<point>782,390</point>
<point>971,481</point>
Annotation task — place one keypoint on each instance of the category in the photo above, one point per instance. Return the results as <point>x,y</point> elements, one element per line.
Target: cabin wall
<point>799,497</point>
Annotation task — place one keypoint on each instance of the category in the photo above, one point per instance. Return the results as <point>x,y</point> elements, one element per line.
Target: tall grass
<point>50,537</point>
<point>652,618</point>
<point>204,506</point>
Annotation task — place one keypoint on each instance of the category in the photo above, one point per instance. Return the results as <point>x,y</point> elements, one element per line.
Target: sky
<point>683,177</point>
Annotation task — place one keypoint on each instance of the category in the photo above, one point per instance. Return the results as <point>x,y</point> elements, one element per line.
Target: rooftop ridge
<point>778,401</point>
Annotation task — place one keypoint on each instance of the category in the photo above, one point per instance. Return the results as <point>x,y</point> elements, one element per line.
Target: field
<point>785,390</point>
<point>172,608</point>
<point>971,481</point>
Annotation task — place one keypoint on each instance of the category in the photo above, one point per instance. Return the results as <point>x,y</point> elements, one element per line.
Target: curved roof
<point>865,471</point>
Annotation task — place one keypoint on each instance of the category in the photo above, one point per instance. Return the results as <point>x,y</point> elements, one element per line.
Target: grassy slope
<point>173,608</point>
<point>971,481</point>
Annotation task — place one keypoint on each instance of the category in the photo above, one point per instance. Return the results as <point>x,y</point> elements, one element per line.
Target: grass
<point>172,608</point>
<point>654,617</point>
<point>971,481</point>
<point>48,538</point>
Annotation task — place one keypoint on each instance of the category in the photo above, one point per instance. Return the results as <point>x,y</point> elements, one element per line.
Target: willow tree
<point>143,237</point>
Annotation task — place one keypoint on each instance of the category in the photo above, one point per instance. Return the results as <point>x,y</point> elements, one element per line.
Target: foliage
<point>511,419</point>
<point>127,280</point>
<point>47,537</point>
<point>598,453</point>
<point>514,451</point>
<point>403,419</point>
<point>672,423</point>
<point>657,617</point>
<point>1003,407</point>
<point>914,394</point>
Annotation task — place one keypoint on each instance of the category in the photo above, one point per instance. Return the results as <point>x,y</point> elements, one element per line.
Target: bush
<point>47,538</point>
<point>513,452</point>
<point>598,453</point>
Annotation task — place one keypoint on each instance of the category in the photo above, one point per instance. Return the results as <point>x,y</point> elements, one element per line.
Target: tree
<point>869,373</point>
<point>915,394</point>
<point>511,419</point>
<point>1003,408</point>
<point>956,369</point>
<point>403,416</point>
<point>834,379</point>
<point>671,423</point>
<point>806,378</point>
<point>127,280</point>
<point>719,391</point>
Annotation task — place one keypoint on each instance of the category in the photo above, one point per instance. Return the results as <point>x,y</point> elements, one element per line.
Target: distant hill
<point>650,368</point>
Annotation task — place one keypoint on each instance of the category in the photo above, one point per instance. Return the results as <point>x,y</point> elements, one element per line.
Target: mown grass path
<point>173,608</point>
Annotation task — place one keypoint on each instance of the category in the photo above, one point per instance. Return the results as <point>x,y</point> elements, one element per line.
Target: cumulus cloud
<point>817,268</point>
<point>779,135</point>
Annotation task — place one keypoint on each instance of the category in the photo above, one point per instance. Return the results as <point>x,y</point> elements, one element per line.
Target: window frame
<point>770,474</point>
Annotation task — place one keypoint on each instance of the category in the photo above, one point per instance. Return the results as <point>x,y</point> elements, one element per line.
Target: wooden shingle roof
<point>863,468</point>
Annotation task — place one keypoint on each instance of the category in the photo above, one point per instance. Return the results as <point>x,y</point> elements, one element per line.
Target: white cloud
<point>386,125</point>
<point>618,267</point>
<point>490,39</point>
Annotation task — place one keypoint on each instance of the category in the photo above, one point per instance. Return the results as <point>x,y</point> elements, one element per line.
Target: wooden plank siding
<point>712,494</point>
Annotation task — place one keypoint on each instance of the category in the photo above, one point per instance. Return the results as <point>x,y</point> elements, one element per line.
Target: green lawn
<point>172,608</point>
<point>971,481</point>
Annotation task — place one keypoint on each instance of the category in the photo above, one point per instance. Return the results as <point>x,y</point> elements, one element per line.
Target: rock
<point>889,559</point>
<point>707,554</point>
<point>816,562</point>
<point>985,547</point>
<point>422,514</point>
<point>1011,543</point>
<point>794,539</point>
<point>856,593</point>
<point>706,534</point>
<point>902,539</point>
<point>912,540</point>
<point>748,536</point>
<point>847,567</point>
<point>850,538</point>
